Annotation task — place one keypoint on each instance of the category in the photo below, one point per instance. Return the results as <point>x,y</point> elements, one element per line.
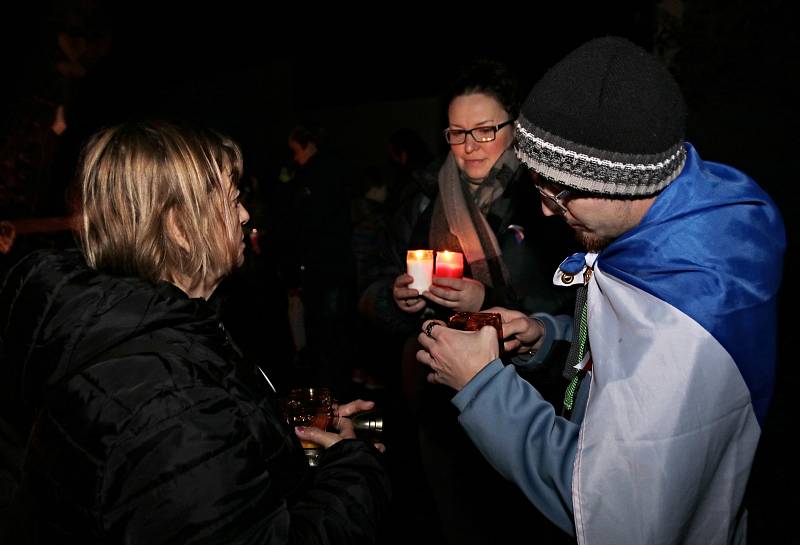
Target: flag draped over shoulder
<point>682,314</point>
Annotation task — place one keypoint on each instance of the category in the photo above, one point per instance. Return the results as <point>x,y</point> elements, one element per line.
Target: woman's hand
<point>341,423</point>
<point>524,333</point>
<point>406,299</point>
<point>461,294</point>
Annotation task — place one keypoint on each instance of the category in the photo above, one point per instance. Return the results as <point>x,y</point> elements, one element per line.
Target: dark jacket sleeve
<point>218,474</point>
<point>346,494</point>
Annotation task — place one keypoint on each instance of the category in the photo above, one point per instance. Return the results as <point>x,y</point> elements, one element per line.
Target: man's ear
<point>175,231</point>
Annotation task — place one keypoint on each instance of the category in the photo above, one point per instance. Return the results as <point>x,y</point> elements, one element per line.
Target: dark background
<point>254,71</point>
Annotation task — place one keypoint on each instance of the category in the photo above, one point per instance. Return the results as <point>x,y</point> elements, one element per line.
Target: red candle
<point>449,264</point>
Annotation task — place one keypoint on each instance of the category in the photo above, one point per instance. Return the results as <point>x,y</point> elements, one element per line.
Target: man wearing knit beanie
<point>673,341</point>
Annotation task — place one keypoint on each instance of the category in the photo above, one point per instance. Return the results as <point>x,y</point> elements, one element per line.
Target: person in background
<point>408,156</point>
<point>480,202</point>
<point>674,334</point>
<point>369,218</point>
<point>321,271</point>
<point>130,413</point>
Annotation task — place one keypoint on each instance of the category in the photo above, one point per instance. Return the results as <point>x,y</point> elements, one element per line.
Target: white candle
<point>419,264</point>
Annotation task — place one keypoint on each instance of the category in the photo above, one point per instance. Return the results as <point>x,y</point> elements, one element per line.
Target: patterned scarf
<point>459,218</point>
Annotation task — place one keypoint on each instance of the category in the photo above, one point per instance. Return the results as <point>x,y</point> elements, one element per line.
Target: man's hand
<point>455,357</point>
<point>523,334</point>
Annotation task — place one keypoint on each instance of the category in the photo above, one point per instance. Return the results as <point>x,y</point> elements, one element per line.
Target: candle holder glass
<point>449,264</point>
<point>419,264</point>
<point>474,321</point>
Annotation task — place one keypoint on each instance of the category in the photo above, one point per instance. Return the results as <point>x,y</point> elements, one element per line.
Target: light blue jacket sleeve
<point>556,328</point>
<point>520,435</point>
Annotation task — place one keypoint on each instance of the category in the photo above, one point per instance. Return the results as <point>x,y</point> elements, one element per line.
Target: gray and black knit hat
<point>607,119</point>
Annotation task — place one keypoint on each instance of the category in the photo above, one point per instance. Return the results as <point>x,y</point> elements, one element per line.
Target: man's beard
<point>592,243</point>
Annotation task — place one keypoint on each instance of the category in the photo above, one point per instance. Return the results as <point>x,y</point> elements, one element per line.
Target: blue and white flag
<point>682,313</point>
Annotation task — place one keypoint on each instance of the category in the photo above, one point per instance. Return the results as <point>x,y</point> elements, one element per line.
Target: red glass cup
<point>474,321</point>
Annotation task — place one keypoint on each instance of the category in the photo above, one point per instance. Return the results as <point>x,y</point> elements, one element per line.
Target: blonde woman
<point>142,422</point>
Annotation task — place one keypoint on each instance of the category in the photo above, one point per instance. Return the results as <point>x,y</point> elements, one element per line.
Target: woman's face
<point>228,242</point>
<point>476,159</point>
<point>240,215</point>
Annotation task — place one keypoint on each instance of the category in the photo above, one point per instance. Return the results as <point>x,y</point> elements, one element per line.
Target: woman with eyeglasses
<point>479,202</point>
<point>128,414</point>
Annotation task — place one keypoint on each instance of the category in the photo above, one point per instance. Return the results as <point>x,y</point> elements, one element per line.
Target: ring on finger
<point>429,329</point>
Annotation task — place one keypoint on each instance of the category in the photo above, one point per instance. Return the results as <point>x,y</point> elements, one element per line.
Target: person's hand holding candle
<point>406,299</point>
<point>449,289</point>
<point>459,294</point>
<point>407,287</point>
<point>445,286</point>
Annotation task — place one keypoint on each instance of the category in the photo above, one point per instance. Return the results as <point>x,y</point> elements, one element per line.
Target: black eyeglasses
<point>554,200</point>
<point>479,134</point>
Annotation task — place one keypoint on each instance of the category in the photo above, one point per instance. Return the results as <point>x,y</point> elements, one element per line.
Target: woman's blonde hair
<point>140,181</point>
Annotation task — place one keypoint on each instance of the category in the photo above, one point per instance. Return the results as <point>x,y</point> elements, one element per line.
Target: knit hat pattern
<point>607,119</point>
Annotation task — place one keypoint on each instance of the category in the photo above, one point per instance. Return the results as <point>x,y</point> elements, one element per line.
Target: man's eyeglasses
<point>479,134</point>
<point>554,200</point>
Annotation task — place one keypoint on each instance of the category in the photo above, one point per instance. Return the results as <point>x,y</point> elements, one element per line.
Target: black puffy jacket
<point>144,425</point>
